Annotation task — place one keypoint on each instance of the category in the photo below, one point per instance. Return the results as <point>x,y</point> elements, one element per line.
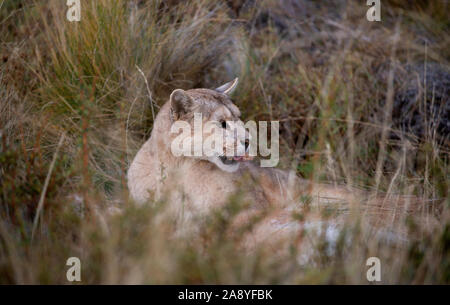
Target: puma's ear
<point>229,87</point>
<point>181,102</point>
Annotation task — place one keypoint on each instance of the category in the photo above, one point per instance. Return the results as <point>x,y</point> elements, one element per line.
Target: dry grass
<point>361,104</point>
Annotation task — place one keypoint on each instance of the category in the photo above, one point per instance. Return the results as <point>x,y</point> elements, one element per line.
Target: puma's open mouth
<point>227,160</point>
<point>232,160</point>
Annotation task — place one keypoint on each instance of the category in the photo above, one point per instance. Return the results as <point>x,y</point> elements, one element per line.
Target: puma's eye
<point>224,124</point>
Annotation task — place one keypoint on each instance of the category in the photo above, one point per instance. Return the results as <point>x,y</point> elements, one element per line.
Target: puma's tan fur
<point>201,184</point>
<point>194,186</point>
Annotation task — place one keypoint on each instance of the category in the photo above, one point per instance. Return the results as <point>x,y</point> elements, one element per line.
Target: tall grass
<point>333,80</point>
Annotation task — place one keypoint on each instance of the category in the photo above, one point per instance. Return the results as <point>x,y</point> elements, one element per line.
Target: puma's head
<point>218,114</point>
